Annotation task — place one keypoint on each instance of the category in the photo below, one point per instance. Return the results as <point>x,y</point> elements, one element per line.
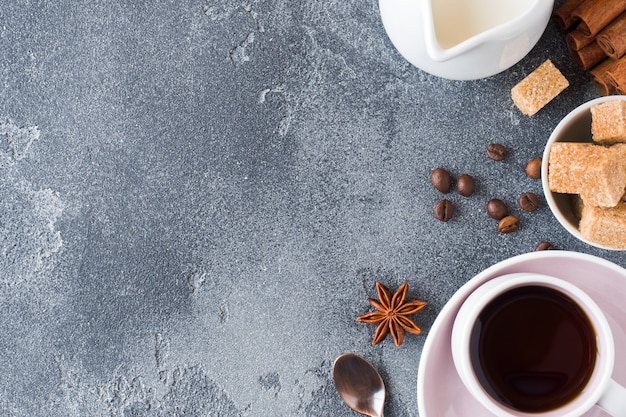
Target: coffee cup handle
<point>613,401</point>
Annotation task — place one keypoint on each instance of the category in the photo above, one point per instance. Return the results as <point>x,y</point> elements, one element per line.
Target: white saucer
<point>440,392</point>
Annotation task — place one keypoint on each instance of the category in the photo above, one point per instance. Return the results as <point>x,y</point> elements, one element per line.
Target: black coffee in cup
<point>533,349</point>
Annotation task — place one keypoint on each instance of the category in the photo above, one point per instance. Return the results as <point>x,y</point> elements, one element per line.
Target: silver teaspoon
<point>359,385</point>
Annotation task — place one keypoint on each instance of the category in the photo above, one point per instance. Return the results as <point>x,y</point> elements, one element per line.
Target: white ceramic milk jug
<point>465,39</point>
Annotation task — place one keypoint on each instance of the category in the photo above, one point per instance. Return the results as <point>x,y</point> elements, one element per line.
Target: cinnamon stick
<point>595,15</point>
<point>600,79</point>
<point>562,16</point>
<point>577,40</point>
<point>617,75</point>
<point>612,39</point>
<point>588,56</point>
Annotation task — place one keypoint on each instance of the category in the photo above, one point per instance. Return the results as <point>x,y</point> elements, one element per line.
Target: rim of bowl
<point>549,195</point>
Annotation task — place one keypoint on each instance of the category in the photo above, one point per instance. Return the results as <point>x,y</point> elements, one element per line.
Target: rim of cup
<point>478,300</point>
<point>560,204</point>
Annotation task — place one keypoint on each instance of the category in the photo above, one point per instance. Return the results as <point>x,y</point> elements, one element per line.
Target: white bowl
<point>575,127</point>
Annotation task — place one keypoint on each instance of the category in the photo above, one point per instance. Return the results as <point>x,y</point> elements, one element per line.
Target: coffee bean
<point>508,224</point>
<point>497,209</point>
<point>533,168</point>
<point>496,152</point>
<point>528,202</point>
<point>544,246</point>
<point>440,178</point>
<point>465,185</point>
<point>444,210</point>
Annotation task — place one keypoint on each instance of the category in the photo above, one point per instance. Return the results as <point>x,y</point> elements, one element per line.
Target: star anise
<point>392,313</point>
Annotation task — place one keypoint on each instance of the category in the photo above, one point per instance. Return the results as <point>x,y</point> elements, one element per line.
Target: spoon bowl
<point>359,385</point>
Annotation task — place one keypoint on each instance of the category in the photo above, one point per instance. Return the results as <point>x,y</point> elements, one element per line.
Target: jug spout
<point>455,27</point>
<point>410,25</point>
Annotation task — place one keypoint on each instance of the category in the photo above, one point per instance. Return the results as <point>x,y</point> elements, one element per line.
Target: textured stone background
<point>197,196</point>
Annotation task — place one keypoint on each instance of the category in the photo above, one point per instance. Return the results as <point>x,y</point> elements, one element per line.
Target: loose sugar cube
<point>539,88</point>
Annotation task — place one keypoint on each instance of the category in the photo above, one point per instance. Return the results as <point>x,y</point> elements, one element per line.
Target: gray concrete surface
<point>197,197</point>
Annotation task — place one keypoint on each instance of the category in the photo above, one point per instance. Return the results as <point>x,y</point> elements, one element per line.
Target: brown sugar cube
<point>608,122</point>
<point>569,164</point>
<point>595,172</point>
<point>606,226</point>
<point>620,151</point>
<point>536,90</point>
<point>606,187</point>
